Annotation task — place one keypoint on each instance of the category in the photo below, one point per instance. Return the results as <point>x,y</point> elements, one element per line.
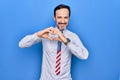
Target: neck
<point>60,29</point>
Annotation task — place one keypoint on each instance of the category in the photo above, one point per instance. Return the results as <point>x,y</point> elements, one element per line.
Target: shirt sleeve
<point>77,48</point>
<point>29,40</point>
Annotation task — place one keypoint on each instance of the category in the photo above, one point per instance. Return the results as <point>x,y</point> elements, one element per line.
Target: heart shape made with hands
<point>52,34</point>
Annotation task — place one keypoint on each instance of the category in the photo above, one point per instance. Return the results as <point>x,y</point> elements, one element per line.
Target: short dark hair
<point>61,6</point>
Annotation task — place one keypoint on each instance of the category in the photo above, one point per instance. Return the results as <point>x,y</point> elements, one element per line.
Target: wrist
<point>67,41</point>
<point>39,34</point>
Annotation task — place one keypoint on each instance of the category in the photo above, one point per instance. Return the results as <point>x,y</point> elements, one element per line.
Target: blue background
<point>97,22</point>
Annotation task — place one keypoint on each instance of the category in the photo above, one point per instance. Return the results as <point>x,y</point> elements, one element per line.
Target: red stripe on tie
<point>58,69</point>
<point>58,60</point>
<point>58,56</point>
<point>57,65</point>
<point>58,73</point>
<point>58,51</point>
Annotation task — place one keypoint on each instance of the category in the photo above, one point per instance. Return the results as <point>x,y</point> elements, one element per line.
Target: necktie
<point>58,59</point>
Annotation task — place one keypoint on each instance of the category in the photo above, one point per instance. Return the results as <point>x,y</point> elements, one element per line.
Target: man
<point>58,46</point>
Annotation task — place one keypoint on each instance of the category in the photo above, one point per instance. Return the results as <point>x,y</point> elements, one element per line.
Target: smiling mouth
<point>62,24</point>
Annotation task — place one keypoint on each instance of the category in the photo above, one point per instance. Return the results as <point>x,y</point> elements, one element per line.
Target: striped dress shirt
<point>75,47</point>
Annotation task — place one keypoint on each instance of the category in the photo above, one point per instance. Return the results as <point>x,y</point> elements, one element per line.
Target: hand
<point>45,33</point>
<point>61,37</point>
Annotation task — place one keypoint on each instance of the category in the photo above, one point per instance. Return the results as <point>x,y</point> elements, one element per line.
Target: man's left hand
<point>61,37</point>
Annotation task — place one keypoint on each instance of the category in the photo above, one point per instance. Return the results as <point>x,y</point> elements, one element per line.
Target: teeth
<point>62,24</point>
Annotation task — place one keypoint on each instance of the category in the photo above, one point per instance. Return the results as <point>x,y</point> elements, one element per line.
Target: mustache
<point>62,23</point>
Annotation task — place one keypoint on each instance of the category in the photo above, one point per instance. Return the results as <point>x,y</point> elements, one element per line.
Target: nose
<point>63,20</point>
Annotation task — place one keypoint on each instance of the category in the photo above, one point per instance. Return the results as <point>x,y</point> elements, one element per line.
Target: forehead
<point>62,12</point>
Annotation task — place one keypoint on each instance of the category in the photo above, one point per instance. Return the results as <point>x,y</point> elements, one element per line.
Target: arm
<point>77,48</point>
<point>29,40</point>
<point>75,45</point>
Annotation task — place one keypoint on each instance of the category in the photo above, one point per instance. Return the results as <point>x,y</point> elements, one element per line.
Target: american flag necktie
<point>58,59</point>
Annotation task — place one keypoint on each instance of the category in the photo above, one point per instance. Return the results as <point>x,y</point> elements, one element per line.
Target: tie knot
<point>61,31</point>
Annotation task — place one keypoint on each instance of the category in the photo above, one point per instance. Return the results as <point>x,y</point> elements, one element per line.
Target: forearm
<point>79,51</point>
<point>29,40</point>
<point>77,48</point>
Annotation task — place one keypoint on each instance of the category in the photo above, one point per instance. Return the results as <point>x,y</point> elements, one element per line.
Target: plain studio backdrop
<point>97,23</point>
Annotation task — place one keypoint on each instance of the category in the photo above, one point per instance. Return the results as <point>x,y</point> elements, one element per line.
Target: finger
<point>48,29</point>
<point>51,30</point>
<point>58,31</point>
<point>51,27</point>
<point>57,39</point>
<point>49,38</point>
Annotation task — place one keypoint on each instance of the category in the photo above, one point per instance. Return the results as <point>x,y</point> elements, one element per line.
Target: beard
<point>61,26</point>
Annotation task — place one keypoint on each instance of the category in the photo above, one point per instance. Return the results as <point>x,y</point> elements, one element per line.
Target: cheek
<point>66,21</point>
<point>58,21</point>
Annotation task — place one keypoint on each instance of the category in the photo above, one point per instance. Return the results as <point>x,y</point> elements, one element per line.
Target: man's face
<point>62,18</point>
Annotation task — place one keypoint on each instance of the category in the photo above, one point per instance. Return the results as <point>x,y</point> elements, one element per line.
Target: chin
<point>62,27</point>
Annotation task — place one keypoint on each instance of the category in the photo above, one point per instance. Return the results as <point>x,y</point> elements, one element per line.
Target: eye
<point>59,17</point>
<point>66,17</point>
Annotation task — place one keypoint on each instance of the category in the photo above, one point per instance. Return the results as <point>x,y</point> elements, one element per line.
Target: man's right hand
<point>45,33</point>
